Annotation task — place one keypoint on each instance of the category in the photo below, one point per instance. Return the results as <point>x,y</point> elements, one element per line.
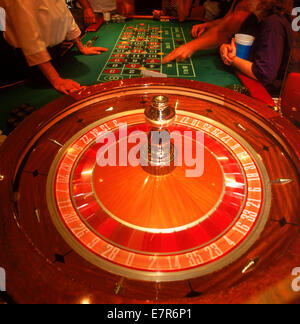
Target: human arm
<point>212,38</point>
<point>66,85</point>
<point>244,66</point>
<point>228,55</point>
<point>23,32</point>
<point>88,50</point>
<point>184,8</point>
<point>267,58</point>
<point>63,85</point>
<point>271,46</point>
<point>235,11</point>
<point>199,29</point>
<point>88,12</point>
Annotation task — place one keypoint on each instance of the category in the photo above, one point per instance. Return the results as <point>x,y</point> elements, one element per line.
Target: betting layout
<point>143,46</point>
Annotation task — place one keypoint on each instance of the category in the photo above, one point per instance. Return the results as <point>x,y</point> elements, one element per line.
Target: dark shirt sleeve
<point>269,50</point>
<point>249,26</point>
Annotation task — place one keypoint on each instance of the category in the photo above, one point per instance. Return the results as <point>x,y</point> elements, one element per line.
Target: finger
<point>92,51</point>
<point>223,50</point>
<point>225,54</point>
<point>226,57</point>
<point>195,31</point>
<point>102,49</point>
<point>76,85</point>
<point>79,87</point>
<point>195,28</point>
<point>95,52</point>
<point>233,45</point>
<point>63,90</point>
<point>201,31</point>
<point>166,59</point>
<point>226,60</point>
<point>172,56</point>
<point>71,84</point>
<point>180,59</point>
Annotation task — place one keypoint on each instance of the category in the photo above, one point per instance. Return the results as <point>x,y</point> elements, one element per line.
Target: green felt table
<point>205,66</point>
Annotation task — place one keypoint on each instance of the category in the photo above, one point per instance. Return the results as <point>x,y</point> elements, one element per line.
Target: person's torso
<point>103,5</point>
<point>255,28</point>
<point>52,17</point>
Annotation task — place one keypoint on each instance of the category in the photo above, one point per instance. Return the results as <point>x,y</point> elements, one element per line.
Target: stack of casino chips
<point>118,18</point>
<point>240,89</point>
<point>17,115</point>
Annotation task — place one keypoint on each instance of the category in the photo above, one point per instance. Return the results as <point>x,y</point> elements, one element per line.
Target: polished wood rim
<point>25,228</point>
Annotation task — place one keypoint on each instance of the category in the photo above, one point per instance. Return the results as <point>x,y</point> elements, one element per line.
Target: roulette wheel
<point>93,214</point>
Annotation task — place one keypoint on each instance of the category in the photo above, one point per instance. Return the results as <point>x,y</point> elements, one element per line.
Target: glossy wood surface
<point>41,267</point>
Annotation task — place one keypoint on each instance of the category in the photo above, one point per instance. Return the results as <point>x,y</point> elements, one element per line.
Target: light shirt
<point>2,20</point>
<point>34,25</point>
<point>212,9</point>
<point>103,5</point>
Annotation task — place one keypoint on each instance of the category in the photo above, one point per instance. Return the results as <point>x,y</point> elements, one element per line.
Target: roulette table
<point>139,44</point>
<point>80,225</point>
<point>148,44</point>
<point>142,46</point>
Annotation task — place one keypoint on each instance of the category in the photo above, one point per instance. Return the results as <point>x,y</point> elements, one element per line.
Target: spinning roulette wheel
<point>76,227</point>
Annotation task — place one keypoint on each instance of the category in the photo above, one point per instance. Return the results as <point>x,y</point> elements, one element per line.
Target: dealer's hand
<point>92,50</point>
<point>180,54</point>
<point>65,86</point>
<point>88,50</point>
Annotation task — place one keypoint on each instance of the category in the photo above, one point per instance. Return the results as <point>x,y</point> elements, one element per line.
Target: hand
<point>180,54</point>
<point>89,16</point>
<point>65,86</point>
<point>228,52</point>
<point>198,30</point>
<point>92,50</point>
